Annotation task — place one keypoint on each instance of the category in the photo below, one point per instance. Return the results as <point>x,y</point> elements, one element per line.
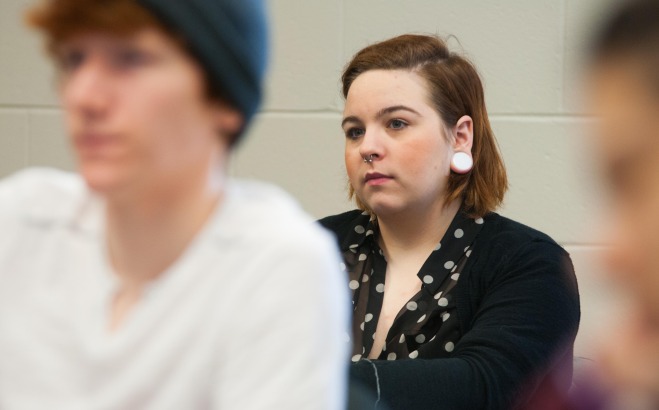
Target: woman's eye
<point>354,133</point>
<point>70,60</point>
<point>397,124</point>
<point>130,58</point>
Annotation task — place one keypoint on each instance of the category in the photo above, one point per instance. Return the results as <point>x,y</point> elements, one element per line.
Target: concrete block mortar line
<point>561,41</point>
<point>342,33</point>
<point>300,114</point>
<point>521,117</point>
<point>29,107</point>
<point>535,117</point>
<point>26,138</point>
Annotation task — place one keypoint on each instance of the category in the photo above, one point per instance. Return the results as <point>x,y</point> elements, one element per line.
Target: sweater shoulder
<point>505,246</point>
<point>509,233</point>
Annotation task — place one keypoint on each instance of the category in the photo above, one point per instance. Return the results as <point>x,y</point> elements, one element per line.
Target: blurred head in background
<point>154,91</point>
<point>624,93</point>
<point>624,96</point>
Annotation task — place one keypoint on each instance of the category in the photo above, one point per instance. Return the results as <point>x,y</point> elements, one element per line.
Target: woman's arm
<point>527,320</point>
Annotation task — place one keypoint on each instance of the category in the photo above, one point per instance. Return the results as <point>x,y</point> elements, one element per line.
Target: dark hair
<point>631,31</point>
<point>455,89</point>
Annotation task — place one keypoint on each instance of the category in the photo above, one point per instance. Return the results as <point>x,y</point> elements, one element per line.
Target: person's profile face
<point>136,110</point>
<point>388,118</point>
<point>626,142</point>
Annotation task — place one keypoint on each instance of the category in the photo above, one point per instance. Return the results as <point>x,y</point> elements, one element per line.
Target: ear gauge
<point>461,163</point>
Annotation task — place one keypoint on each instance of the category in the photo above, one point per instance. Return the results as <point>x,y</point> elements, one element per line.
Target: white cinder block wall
<point>528,53</point>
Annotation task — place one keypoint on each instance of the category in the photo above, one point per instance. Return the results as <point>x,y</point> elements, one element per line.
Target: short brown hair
<point>455,89</point>
<point>62,19</point>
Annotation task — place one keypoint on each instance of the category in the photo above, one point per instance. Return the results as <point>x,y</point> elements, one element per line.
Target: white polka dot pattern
<point>425,327</point>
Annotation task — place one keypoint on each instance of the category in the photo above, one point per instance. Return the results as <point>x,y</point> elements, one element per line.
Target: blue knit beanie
<point>229,38</point>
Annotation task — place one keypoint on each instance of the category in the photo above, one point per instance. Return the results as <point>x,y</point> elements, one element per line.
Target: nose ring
<point>368,158</point>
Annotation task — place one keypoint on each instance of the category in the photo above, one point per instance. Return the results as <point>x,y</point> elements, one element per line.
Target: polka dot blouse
<point>427,326</point>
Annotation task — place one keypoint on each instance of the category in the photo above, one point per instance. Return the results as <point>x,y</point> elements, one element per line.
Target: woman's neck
<point>415,234</point>
<point>148,232</point>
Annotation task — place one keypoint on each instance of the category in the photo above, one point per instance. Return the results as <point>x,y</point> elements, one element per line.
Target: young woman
<point>454,306</point>
<point>150,280</point>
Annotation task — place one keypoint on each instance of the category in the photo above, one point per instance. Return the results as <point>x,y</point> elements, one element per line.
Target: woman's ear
<point>463,134</point>
<point>228,120</point>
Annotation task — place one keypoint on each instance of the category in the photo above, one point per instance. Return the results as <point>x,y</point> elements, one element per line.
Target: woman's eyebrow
<point>350,118</point>
<point>393,108</point>
<point>381,113</point>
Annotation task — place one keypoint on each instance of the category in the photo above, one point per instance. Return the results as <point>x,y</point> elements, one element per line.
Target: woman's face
<point>388,117</point>
<point>137,112</point>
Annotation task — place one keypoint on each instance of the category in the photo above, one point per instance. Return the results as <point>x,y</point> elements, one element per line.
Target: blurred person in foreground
<point>455,306</point>
<point>624,96</point>
<point>151,280</point>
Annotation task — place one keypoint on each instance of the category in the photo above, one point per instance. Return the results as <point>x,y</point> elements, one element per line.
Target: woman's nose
<point>86,89</point>
<point>372,146</point>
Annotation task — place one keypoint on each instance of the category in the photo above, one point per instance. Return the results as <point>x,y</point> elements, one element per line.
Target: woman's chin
<point>385,208</point>
<point>102,181</point>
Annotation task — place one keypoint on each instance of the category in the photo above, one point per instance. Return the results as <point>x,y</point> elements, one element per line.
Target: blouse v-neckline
<point>427,325</point>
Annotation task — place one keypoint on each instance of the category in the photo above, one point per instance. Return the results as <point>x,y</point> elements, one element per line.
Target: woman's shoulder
<point>51,179</point>
<point>510,233</point>
<point>505,245</point>
<point>260,212</point>
<point>512,258</point>
<point>41,192</point>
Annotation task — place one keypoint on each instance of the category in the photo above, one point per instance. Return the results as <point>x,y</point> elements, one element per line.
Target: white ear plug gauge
<point>461,163</point>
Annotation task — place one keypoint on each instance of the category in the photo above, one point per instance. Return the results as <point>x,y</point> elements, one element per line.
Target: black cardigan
<point>518,305</point>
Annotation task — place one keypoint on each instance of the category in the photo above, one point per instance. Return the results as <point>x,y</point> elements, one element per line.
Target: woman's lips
<point>93,143</point>
<point>375,178</point>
